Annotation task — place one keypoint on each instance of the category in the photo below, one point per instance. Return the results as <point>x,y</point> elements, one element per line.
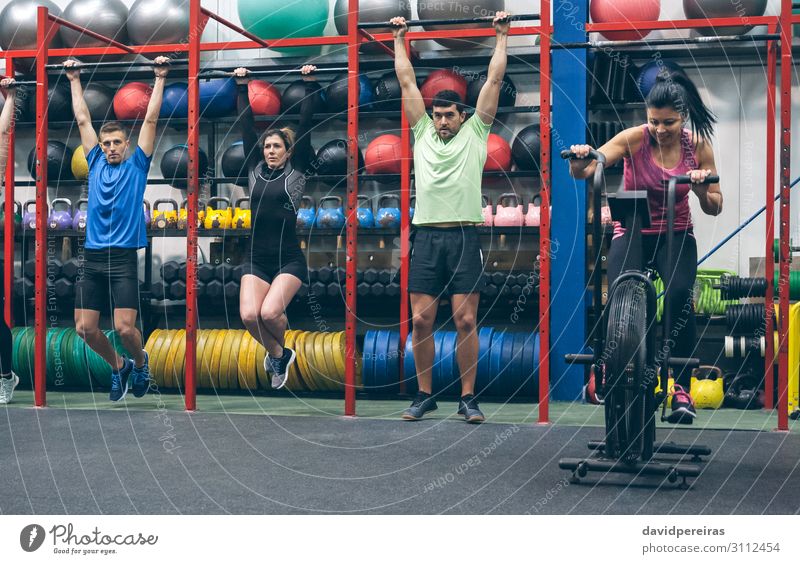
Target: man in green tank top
<point>446,257</point>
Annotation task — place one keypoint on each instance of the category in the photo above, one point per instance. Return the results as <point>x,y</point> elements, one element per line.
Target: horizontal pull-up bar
<point>234,27</point>
<point>460,21</point>
<point>218,73</point>
<point>21,83</point>
<point>89,32</point>
<point>669,41</point>
<point>115,64</point>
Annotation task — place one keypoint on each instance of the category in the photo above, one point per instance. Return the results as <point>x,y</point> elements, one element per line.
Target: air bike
<point>625,359</point>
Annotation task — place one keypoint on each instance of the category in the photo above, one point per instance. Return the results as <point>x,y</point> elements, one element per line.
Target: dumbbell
<point>341,275</point>
<point>238,272</point>
<point>302,291</point>
<point>54,267</point>
<point>182,271</point>
<point>370,276</point>
<point>231,289</point>
<point>177,290</point>
<point>325,274</point>
<point>490,290</point>
<point>333,290</point>
<point>516,290</point>
<point>359,276</point>
<point>319,289</point>
<point>160,290</point>
<point>201,290</point>
<point>499,278</point>
<point>504,290</point>
<point>312,275</point>
<point>64,288</point>
<point>393,289</point>
<point>215,289</point>
<point>30,268</point>
<point>524,278</point>
<point>23,288</point>
<point>205,272</point>
<point>363,289</point>
<point>377,290</point>
<point>70,269</point>
<point>385,276</point>
<point>170,270</point>
<point>224,272</point>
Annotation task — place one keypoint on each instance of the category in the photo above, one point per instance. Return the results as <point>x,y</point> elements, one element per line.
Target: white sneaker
<point>7,386</point>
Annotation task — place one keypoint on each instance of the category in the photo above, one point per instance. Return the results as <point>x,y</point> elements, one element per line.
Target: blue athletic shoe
<point>120,381</point>
<point>140,378</point>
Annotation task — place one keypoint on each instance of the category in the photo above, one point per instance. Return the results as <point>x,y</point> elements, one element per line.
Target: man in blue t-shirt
<point>115,231</point>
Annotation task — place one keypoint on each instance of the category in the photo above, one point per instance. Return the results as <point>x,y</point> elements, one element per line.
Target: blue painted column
<point>568,274</point>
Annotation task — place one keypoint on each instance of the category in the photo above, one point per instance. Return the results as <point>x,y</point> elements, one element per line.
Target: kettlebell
<point>670,388</point>
<point>707,387</point>
<point>60,214</point>
<point>388,216</point>
<point>183,214</point>
<point>241,214</point>
<point>147,217</point>
<point>411,206</point>
<point>509,211</point>
<point>29,217</point>
<point>488,212</point>
<point>81,211</point>
<point>330,214</point>
<point>605,216</point>
<point>366,219</point>
<point>532,218</point>
<point>306,213</point>
<point>165,219</point>
<point>17,217</point>
<point>17,214</point>
<point>220,217</point>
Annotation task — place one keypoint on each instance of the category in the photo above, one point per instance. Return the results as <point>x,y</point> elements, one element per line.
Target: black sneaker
<point>421,405</point>
<point>140,378</point>
<point>682,407</point>
<point>120,381</point>
<point>468,407</point>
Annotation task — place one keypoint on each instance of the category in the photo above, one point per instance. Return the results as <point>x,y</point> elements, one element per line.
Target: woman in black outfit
<point>276,267</point>
<point>8,380</point>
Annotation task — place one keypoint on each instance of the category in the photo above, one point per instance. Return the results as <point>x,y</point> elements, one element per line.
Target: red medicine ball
<point>384,155</point>
<point>265,100</point>
<point>498,154</point>
<point>130,101</point>
<point>440,80</point>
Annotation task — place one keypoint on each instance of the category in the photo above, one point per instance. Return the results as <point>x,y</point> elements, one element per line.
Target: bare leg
<point>423,314</point>
<point>273,309</point>
<point>252,294</point>
<point>87,326</point>
<point>465,313</point>
<point>125,326</point>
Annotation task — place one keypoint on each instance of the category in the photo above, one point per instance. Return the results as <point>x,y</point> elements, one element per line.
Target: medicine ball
<point>649,73</point>
<point>233,164</point>
<point>332,159</point>
<point>388,95</point>
<point>59,102</point>
<point>292,97</point>
<point>336,93</point>
<point>79,165</point>
<point>508,92</point>
<point>99,99</point>
<point>265,100</point>
<point>175,165</point>
<point>217,97</point>
<point>384,155</point>
<point>130,101</point>
<point>498,154</point>
<point>443,79</point>
<point>59,163</point>
<point>526,148</point>
<point>175,101</point>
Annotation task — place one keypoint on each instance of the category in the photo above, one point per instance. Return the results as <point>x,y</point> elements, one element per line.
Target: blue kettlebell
<point>60,218</point>
<point>29,217</point>
<point>330,214</point>
<point>306,213</point>
<point>366,219</point>
<point>411,207</point>
<point>79,218</point>
<point>388,217</point>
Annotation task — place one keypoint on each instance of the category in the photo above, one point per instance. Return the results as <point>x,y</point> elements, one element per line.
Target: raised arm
<point>6,119</point>
<point>302,155</point>
<point>710,195</point>
<point>147,136</point>
<point>621,145</point>
<point>80,109</point>
<point>247,124</point>
<point>413,104</point>
<point>486,106</point>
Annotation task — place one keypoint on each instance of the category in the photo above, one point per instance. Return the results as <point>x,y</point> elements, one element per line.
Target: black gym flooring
<point>80,456</point>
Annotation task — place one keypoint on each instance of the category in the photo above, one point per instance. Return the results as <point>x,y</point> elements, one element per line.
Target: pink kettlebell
<point>509,211</point>
<point>605,216</point>
<point>533,217</point>
<point>488,215</point>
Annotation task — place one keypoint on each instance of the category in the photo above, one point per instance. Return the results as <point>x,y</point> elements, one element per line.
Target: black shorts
<point>446,261</point>
<point>108,273</point>
<point>267,270</point>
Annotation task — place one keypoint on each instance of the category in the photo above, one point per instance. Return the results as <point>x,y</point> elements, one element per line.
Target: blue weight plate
<point>506,377</point>
<point>393,359</point>
<point>368,360</point>
<point>528,365</point>
<point>484,352</point>
<point>517,366</point>
<point>381,347</point>
<point>494,362</point>
<point>449,365</point>
<point>409,370</point>
<point>535,377</point>
<point>437,376</point>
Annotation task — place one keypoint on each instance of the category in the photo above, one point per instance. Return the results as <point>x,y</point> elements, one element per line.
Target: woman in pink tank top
<point>653,152</point>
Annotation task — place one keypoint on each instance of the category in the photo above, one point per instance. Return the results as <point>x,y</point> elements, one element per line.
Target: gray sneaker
<point>7,386</point>
<point>421,405</point>
<point>468,407</point>
<point>280,368</point>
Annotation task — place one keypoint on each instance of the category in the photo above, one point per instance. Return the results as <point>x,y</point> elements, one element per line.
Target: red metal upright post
<point>785,180</point>
<point>353,44</point>
<point>405,232</point>
<point>197,22</point>
<point>8,245</point>
<point>544,226</point>
<point>769,264</point>
<point>45,30</point>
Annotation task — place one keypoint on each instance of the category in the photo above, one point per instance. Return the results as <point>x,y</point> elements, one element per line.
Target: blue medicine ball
<point>649,73</point>
<point>217,97</point>
<point>175,103</point>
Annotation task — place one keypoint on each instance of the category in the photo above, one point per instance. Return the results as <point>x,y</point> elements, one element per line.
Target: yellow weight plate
<point>261,372</point>
<point>172,355</point>
<point>216,378</point>
<point>334,381</point>
<point>309,377</point>
<point>159,355</point>
<point>180,362</point>
<point>251,366</point>
<point>150,347</point>
<point>337,354</point>
<point>202,339</point>
<point>300,361</point>
<point>225,359</point>
<point>321,353</point>
<point>151,341</point>
<point>169,336</point>
<point>294,370</point>
<point>208,378</point>
<point>241,363</point>
<point>317,369</point>
<point>233,368</point>
<point>293,383</point>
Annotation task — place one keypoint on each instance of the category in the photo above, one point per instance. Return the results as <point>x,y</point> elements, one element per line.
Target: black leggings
<point>681,290</point>
<point>5,332</point>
